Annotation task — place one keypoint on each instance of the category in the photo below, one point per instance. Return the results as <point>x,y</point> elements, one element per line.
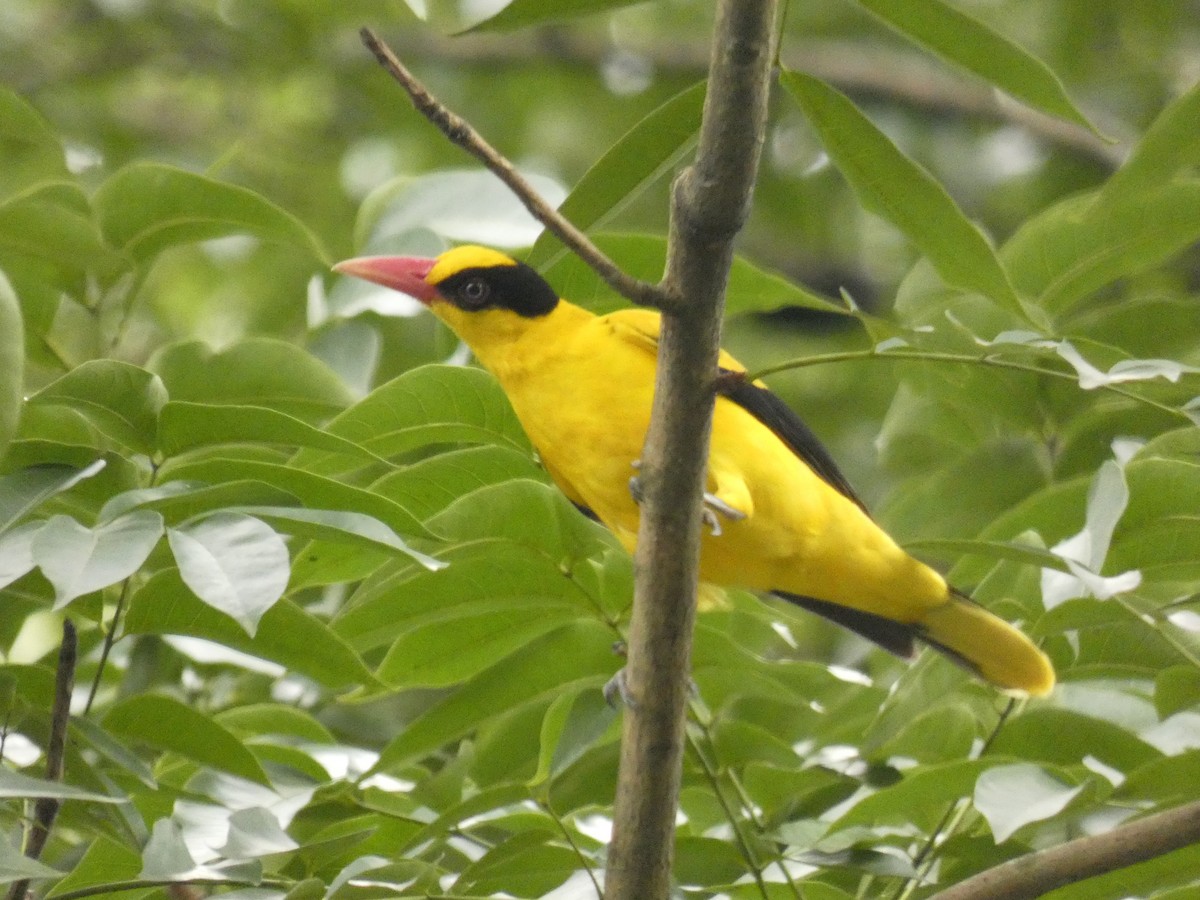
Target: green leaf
<point>575,655</point>
<point>16,552</point>
<point>23,491</point>
<point>1169,146</point>
<point>121,400</point>
<point>964,40</point>
<point>1013,796</point>
<point>317,492</point>
<point>185,426</point>
<point>275,719</point>
<point>287,634</point>
<point>467,639</point>
<point>427,405</point>
<point>253,372</point>
<point>147,207</point>
<point>342,526</point>
<point>430,485</point>
<point>524,13</point>
<point>646,153</point>
<point>233,562</point>
<point>16,866</point>
<point>891,185</point>
<point>920,798</point>
<point>526,865</point>
<point>589,716</point>
<point>255,832</point>
<point>104,862</point>
<point>12,362</point>
<point>15,786</point>
<point>166,724</point>
<point>30,148</point>
<point>79,560</point>
<point>1079,246</point>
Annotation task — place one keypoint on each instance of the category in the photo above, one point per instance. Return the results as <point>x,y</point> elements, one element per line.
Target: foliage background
<point>294,703</point>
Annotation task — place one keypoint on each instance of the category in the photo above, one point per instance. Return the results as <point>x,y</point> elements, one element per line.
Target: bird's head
<point>474,290</point>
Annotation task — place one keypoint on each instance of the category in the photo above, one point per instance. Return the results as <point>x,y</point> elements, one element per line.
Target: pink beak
<point>405,274</point>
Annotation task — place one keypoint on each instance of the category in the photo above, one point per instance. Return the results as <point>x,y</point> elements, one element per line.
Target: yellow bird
<point>781,518</point>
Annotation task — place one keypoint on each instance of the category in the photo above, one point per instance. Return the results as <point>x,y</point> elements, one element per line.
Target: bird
<point>781,518</point>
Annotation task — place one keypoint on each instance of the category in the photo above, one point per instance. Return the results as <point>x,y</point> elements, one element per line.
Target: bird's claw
<point>617,689</point>
<point>713,505</point>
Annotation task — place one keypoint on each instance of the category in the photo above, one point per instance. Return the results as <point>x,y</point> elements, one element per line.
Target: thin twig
<point>938,356</point>
<point>460,133</point>
<point>45,809</point>
<point>109,638</point>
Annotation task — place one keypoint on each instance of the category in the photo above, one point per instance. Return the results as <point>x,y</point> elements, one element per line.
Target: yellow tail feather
<point>998,652</point>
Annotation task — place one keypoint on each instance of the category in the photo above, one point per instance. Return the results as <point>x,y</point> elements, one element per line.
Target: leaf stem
<point>937,356</point>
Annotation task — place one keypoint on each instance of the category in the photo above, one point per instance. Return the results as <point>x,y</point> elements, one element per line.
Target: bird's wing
<point>642,327</point>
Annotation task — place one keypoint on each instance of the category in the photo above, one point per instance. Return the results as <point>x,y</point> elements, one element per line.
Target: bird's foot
<point>714,505</point>
<point>635,483</point>
<point>616,690</point>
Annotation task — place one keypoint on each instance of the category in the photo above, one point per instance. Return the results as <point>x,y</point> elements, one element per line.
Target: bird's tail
<point>988,645</point>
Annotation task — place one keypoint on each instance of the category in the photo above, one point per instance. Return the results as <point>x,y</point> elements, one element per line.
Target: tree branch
<point>1032,876</point>
<point>709,204</point>
<point>460,133</point>
<point>45,809</point>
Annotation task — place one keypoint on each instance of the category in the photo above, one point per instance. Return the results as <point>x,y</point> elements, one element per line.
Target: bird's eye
<point>476,292</point>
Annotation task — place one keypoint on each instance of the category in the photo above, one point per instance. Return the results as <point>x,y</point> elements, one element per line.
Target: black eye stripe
<point>518,288</point>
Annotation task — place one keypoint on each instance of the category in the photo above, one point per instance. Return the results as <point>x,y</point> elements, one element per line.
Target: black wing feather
<point>788,427</point>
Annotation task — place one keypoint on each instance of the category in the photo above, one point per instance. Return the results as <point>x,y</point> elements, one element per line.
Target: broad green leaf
<point>1063,737</point>
<point>25,490</point>
<point>384,607</point>
<point>12,362</point>
<point>466,640</point>
<point>147,207</point>
<point>16,866</point>
<point>526,865</point>
<point>233,562</point>
<point>891,185</point>
<point>430,485</point>
<point>1079,246</point>
<point>181,500</point>
<point>16,552</point>
<point>167,724</point>
<point>341,525</point>
<point>15,786</point>
<point>574,655</point>
<point>286,635</point>
<point>50,227</point>
<point>275,719</point>
<point>1012,796</point>
<point>524,13</point>
<point>105,861</point>
<point>30,148</point>
<point>1169,146</point>
<point>959,38</point>
<point>920,798</point>
<point>316,492</point>
<point>121,400</point>
<point>528,513</point>
<point>646,153</point>
<point>253,372</point>
<point>79,560</point>
<point>255,832</point>
<point>427,405</point>
<point>994,550</point>
<point>185,426</point>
